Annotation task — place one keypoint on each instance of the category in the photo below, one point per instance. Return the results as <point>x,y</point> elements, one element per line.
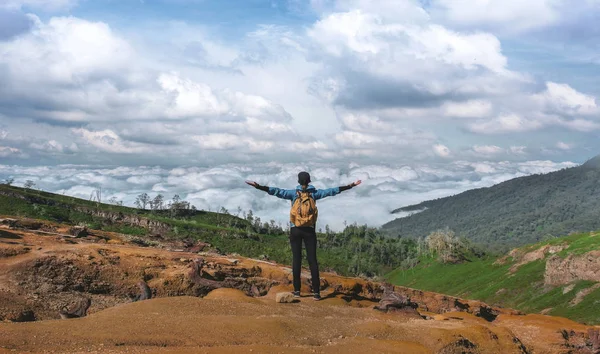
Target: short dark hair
<point>303,178</point>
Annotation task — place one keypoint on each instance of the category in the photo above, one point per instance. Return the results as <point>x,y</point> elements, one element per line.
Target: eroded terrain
<point>207,302</point>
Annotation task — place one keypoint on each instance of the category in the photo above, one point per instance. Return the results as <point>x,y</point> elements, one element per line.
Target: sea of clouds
<point>384,188</point>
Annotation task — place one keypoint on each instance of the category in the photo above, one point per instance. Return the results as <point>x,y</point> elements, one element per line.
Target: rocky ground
<point>206,302</point>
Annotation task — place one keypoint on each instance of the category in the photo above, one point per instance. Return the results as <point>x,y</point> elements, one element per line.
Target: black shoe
<point>316,296</point>
<point>296,293</point>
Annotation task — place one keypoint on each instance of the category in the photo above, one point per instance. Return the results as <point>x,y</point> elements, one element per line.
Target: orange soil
<point>228,321</point>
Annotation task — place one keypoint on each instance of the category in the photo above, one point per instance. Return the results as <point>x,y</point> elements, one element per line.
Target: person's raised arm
<point>329,192</point>
<point>278,192</point>
<point>258,186</point>
<point>351,185</point>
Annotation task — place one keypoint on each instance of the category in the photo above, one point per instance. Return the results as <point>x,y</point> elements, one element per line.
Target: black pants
<point>308,234</point>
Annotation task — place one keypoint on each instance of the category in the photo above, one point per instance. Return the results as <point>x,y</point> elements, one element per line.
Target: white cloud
<point>6,151</point>
<point>487,149</point>
<point>190,99</point>
<point>510,15</point>
<point>563,146</point>
<point>66,50</point>
<point>468,109</point>
<point>518,150</point>
<point>563,98</point>
<point>144,179</point>
<point>483,168</point>
<point>230,141</point>
<point>53,146</point>
<point>509,123</point>
<point>581,125</point>
<point>108,141</point>
<point>370,37</point>
<point>441,150</point>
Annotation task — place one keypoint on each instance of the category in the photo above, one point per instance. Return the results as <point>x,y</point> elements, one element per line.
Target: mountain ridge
<point>515,212</point>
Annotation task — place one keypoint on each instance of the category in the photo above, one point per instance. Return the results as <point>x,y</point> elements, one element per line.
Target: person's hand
<point>354,184</point>
<point>252,183</point>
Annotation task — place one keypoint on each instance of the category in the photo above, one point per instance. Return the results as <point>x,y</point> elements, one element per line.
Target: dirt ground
<point>208,303</point>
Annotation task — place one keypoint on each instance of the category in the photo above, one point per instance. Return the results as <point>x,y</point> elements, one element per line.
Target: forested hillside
<point>513,213</point>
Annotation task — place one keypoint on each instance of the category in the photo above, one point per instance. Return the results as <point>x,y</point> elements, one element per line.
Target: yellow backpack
<point>304,210</point>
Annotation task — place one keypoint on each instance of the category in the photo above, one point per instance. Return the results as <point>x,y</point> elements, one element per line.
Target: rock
<point>546,311</point>
<point>583,293</point>
<point>284,298</point>
<point>77,310</point>
<point>197,247</point>
<point>20,316</point>
<point>535,255</point>
<point>78,231</point>
<point>394,301</point>
<point>573,268</point>
<point>568,289</point>
<point>487,313</point>
<point>145,292</point>
<point>594,339</point>
<point>27,224</point>
<point>9,221</point>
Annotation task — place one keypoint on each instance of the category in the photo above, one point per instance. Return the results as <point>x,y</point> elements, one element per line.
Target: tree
<point>250,216</point>
<point>113,200</point>
<point>8,181</point>
<point>142,200</point>
<point>158,202</point>
<point>446,245</point>
<point>29,184</point>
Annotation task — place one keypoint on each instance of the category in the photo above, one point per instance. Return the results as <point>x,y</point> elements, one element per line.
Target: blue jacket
<point>290,194</point>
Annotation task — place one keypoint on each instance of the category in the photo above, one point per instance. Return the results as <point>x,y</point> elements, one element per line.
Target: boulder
<point>395,300</point>
<point>78,309</point>
<point>19,316</point>
<point>594,339</point>
<point>197,247</point>
<point>284,298</point>
<point>78,231</point>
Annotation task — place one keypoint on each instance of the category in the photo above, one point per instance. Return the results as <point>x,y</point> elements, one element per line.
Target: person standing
<point>303,218</point>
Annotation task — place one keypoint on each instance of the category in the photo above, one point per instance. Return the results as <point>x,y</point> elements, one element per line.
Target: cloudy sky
<point>418,98</point>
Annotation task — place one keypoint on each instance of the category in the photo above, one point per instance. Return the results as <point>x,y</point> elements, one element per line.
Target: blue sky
<point>471,92</point>
<point>230,18</point>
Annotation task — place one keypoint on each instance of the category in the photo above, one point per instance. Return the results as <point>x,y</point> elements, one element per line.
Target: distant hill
<point>513,213</point>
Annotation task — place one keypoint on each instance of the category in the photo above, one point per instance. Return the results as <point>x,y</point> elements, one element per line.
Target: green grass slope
<point>487,280</point>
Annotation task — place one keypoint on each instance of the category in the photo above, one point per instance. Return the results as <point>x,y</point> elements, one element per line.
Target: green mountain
<point>558,277</point>
<point>513,213</point>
